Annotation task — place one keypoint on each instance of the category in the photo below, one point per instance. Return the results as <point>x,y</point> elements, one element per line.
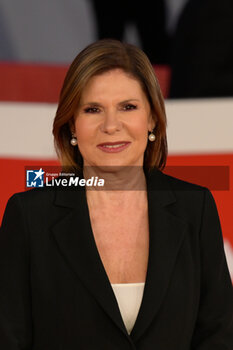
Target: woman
<point>138,264</point>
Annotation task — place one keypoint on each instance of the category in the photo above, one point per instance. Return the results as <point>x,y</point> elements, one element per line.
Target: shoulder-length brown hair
<point>97,58</point>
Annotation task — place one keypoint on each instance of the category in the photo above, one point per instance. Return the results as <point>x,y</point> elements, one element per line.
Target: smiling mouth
<point>113,146</point>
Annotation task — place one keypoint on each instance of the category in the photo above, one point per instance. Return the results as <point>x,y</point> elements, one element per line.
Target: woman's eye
<point>129,107</point>
<point>91,110</point>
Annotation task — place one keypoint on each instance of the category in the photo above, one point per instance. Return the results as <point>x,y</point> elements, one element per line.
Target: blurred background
<point>189,43</point>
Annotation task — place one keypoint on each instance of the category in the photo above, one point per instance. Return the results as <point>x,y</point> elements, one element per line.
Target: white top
<point>129,298</point>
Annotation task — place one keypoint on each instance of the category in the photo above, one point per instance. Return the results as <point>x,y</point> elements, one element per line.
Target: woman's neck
<point>120,184</point>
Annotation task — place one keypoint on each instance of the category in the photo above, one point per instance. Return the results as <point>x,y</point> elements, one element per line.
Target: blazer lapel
<point>75,240</point>
<point>73,235</point>
<point>166,235</point>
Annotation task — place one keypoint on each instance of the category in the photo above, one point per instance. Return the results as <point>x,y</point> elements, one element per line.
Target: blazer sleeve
<point>15,301</point>
<point>214,324</point>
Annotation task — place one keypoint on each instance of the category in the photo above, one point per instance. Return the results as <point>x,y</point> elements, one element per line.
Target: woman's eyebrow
<point>91,104</point>
<point>129,100</point>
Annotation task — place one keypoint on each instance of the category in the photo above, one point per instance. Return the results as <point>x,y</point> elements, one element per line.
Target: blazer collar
<point>74,236</point>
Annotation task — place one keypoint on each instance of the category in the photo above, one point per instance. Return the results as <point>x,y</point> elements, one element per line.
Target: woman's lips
<point>113,147</point>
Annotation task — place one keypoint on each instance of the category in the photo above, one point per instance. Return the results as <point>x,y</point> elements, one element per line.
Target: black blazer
<point>55,294</point>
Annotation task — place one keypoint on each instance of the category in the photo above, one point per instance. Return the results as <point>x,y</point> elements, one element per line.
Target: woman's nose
<point>111,122</point>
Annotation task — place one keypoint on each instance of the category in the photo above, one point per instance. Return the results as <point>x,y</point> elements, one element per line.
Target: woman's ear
<point>71,126</point>
<point>152,123</point>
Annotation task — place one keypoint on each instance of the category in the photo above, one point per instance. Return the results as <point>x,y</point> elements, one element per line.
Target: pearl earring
<point>73,140</point>
<point>152,136</point>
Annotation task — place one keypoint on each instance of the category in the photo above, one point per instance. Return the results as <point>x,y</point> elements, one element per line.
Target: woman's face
<point>113,109</point>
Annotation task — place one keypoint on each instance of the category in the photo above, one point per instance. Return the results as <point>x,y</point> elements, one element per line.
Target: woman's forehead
<point>114,83</point>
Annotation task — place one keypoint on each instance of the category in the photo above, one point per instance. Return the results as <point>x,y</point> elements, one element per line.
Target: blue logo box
<point>35,178</point>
